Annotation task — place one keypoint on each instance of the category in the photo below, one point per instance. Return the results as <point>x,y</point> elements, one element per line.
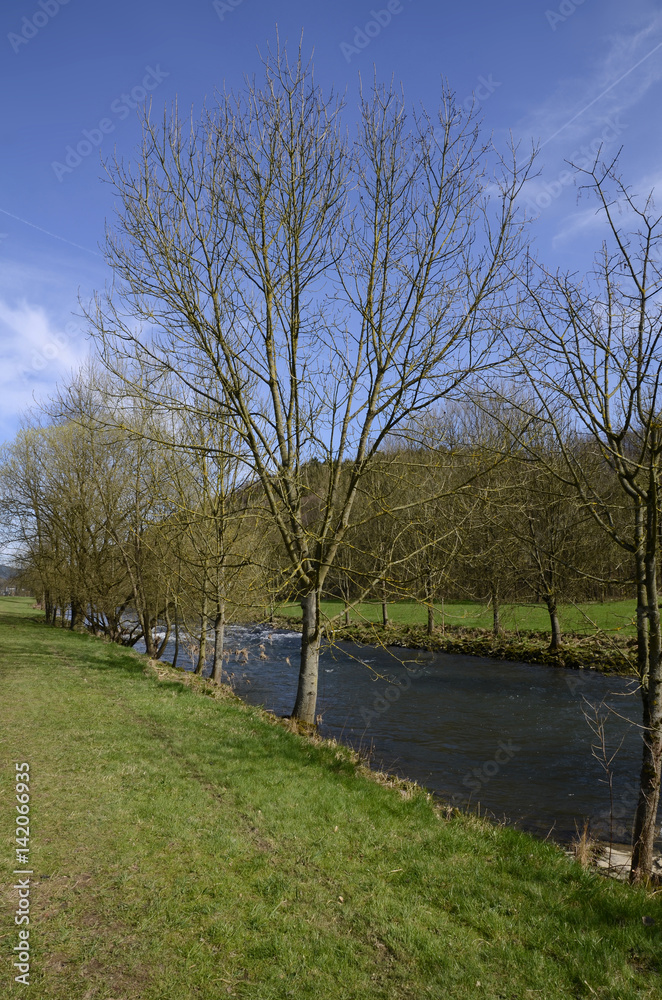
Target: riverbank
<point>608,654</point>
<point>184,844</point>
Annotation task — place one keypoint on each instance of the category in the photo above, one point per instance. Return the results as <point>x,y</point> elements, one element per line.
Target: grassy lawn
<point>191,847</point>
<point>615,616</point>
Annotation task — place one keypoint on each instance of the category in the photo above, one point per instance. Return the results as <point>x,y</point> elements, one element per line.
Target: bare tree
<point>328,289</point>
<point>592,351</point>
<point>550,527</point>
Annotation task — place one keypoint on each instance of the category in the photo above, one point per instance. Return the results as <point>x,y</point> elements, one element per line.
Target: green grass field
<point>614,616</point>
<point>186,846</point>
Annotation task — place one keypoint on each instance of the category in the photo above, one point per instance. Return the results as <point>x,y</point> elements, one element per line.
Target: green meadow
<point>613,616</point>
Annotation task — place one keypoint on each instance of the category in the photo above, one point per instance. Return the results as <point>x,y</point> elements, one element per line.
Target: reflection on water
<point>510,737</point>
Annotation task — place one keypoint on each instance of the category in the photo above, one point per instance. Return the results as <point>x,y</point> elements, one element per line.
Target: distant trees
<point>151,528</point>
<point>54,512</point>
<point>81,505</point>
<point>453,508</point>
<point>118,533</point>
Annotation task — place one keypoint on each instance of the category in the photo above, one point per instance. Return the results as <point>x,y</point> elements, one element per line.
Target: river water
<point>509,738</point>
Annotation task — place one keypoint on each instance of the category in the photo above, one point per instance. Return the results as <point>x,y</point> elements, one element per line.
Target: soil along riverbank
<point>185,844</point>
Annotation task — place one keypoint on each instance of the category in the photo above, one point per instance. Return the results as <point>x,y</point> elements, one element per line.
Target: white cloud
<point>593,114</point>
<point>36,352</point>
<point>591,220</point>
<point>620,78</point>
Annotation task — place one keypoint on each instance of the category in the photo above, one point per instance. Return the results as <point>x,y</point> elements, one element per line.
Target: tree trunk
<point>344,590</point>
<point>651,693</point>
<point>202,651</point>
<point>643,838</point>
<point>219,635</point>
<point>428,599</point>
<point>384,607</point>
<point>496,610</point>
<point>148,637</point>
<point>49,608</point>
<point>174,659</point>
<point>160,646</point>
<point>306,701</point>
<point>642,600</point>
<point>550,601</point>
<point>76,615</point>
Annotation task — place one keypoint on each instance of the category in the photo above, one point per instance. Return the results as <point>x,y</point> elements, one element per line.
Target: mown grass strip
<point>190,846</point>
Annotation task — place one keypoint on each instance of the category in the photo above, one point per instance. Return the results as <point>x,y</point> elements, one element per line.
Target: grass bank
<point>595,636</point>
<point>191,846</point>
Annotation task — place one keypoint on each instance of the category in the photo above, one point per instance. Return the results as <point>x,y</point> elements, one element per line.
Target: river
<point>511,739</point>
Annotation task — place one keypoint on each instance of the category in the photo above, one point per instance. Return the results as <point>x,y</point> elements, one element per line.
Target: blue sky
<point>563,73</point>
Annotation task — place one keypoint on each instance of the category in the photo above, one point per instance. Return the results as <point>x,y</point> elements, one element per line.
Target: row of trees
<point>288,302</point>
<point>121,536</point>
<point>461,518</point>
<point>129,535</point>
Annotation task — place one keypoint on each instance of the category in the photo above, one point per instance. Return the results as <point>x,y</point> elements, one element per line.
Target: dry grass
<point>584,848</point>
